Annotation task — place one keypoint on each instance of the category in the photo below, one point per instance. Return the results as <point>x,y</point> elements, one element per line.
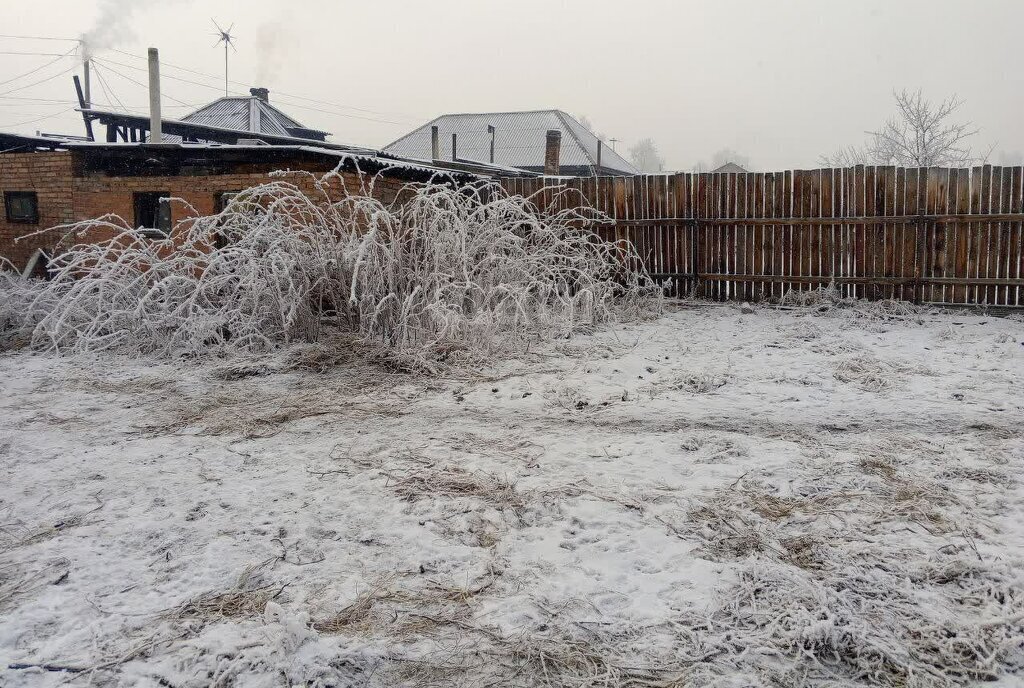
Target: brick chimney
<point>261,93</point>
<point>552,146</point>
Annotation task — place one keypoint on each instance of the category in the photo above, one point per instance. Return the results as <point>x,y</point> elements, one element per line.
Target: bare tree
<point>846,157</point>
<point>589,126</point>
<point>644,156</point>
<point>922,134</point>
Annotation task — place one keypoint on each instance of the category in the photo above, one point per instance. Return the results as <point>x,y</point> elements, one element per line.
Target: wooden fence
<point>936,235</point>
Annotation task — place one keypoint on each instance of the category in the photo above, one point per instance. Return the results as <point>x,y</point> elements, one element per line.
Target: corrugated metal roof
<point>245,113</point>
<point>519,140</point>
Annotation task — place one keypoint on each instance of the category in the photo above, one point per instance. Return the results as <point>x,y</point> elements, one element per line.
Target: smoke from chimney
<point>272,41</point>
<point>113,25</point>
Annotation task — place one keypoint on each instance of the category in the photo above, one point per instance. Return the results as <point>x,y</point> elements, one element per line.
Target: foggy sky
<point>780,81</point>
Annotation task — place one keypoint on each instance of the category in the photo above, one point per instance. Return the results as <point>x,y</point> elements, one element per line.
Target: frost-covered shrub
<point>444,270</point>
<point>17,314</point>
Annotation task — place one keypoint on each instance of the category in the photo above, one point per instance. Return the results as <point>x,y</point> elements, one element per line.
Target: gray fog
<point>778,82</point>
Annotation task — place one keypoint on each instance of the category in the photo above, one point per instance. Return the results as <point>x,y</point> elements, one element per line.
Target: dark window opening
<point>38,265</point>
<point>153,213</point>
<point>220,202</point>
<point>22,206</point>
<point>222,199</point>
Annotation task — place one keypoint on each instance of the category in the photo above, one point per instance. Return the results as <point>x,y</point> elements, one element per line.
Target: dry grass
<point>247,599</point>
<point>388,610</point>
<point>830,582</point>
<point>873,374</point>
<point>453,482</point>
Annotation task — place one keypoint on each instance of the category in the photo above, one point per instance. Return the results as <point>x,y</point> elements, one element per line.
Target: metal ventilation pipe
<point>87,83</point>
<point>156,134</point>
<point>435,144</point>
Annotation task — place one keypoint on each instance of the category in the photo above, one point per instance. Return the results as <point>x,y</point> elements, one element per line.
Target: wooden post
<point>84,105</point>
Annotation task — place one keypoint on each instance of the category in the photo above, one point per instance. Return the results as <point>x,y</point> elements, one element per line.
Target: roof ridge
<point>410,133</point>
<point>496,112</point>
<point>562,118</point>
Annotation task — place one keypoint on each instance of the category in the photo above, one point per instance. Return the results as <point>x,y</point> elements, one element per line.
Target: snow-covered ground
<point>713,498</point>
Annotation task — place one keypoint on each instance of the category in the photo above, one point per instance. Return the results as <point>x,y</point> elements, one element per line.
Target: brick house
<point>44,182</point>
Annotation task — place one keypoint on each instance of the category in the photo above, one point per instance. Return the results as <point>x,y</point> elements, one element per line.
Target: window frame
<point>161,213</point>
<point>32,219</point>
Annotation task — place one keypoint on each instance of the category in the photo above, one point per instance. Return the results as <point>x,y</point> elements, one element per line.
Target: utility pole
<point>613,142</point>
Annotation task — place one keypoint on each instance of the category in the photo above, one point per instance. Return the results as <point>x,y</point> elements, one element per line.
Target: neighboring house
<point>513,140</point>
<point>252,113</point>
<point>46,182</point>
<point>230,120</point>
<point>730,167</point>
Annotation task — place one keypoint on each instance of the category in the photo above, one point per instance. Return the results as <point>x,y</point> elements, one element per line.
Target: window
<point>153,212</point>
<point>22,206</point>
<point>221,200</point>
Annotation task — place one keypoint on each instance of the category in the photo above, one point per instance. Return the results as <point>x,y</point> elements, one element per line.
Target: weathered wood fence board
<point>935,235</point>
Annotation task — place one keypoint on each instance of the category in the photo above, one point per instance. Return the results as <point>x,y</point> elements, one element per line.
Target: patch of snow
<point>801,497</point>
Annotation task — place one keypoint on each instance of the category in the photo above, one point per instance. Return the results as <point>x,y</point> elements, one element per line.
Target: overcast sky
<point>780,81</point>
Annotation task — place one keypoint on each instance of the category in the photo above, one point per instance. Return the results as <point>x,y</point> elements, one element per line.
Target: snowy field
<point>779,498</point>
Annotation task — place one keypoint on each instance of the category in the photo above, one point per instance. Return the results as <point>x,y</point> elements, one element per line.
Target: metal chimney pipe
<point>435,144</point>
<point>156,134</point>
<point>87,84</point>
<point>490,130</point>
<point>455,148</point>
<point>600,145</point>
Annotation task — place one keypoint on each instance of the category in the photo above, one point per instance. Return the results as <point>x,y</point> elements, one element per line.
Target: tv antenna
<point>227,39</point>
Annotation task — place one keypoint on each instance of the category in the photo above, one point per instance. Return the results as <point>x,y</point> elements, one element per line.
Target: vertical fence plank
<point>899,256</point>
<point>828,261</point>
<point>809,228</point>
<point>1006,232</point>
<point>739,239</point>
<point>1017,234</point>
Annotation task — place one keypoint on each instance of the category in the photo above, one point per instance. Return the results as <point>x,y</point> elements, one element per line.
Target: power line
<point>138,83</point>
<point>22,52</point>
<point>38,100</point>
<point>162,76</point>
<point>40,119</point>
<point>283,102</point>
<point>282,93</point>
<point>103,85</point>
<point>41,67</point>
<point>39,38</point>
<point>41,81</point>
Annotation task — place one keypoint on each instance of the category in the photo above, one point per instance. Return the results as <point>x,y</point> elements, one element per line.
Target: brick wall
<point>49,175</point>
<point>67,194</point>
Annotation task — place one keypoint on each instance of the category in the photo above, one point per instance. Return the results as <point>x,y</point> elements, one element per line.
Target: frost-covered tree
<point>644,156</point>
<point>921,134</point>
